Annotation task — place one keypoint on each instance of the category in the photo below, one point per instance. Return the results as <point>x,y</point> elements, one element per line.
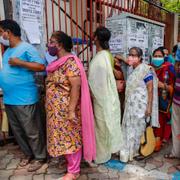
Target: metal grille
<point>80,18</point>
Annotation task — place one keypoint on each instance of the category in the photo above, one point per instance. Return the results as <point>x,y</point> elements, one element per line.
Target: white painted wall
<point>175,28</point>
<point>1,9</point>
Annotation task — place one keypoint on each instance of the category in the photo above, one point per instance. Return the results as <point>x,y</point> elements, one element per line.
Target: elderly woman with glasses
<point>140,103</point>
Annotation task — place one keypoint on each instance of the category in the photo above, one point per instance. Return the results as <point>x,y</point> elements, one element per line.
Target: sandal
<point>164,142</point>
<point>169,156</point>
<point>70,176</point>
<point>35,166</point>
<point>25,161</point>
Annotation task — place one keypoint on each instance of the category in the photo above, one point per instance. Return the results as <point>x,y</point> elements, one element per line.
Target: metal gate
<point>80,18</point>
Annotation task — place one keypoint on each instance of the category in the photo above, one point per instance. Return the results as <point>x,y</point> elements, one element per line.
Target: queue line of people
<point>77,127</point>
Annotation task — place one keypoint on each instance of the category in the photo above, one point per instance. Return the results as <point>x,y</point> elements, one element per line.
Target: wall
<point>1,9</point>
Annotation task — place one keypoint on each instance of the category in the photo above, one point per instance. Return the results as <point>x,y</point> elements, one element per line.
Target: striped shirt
<point>176,99</point>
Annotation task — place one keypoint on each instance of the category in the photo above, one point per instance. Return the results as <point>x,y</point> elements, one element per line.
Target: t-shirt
<point>18,83</point>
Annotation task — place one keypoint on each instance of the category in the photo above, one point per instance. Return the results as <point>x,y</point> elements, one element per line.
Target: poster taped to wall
<point>137,36</point>
<point>118,35</point>
<point>31,13</point>
<point>127,32</point>
<point>157,36</point>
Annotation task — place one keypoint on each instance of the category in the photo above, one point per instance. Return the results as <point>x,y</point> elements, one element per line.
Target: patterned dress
<point>63,135</point>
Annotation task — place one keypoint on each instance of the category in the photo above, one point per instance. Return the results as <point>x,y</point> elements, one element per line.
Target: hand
<point>71,115</point>
<point>120,85</point>
<point>178,136</point>
<point>160,85</point>
<point>15,61</point>
<point>148,111</point>
<point>119,58</point>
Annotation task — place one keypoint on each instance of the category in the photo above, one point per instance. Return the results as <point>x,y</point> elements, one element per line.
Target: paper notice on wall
<point>157,37</point>
<point>138,36</point>
<point>31,13</point>
<point>118,35</point>
<point>33,34</point>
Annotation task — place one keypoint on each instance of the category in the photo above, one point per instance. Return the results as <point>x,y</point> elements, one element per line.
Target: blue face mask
<point>157,61</point>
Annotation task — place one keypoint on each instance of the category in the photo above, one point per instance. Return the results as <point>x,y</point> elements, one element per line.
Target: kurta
<point>63,135</point>
<point>106,107</point>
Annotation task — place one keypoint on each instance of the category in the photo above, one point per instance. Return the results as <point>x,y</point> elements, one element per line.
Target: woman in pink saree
<point>70,122</point>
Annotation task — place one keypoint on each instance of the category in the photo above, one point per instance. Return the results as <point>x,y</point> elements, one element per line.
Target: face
<point>158,59</point>
<point>4,37</point>
<point>158,54</point>
<point>133,58</point>
<point>166,52</point>
<point>53,46</point>
<point>95,40</point>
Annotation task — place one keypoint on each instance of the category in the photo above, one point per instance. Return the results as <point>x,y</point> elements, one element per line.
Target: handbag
<point>147,141</point>
<point>120,82</point>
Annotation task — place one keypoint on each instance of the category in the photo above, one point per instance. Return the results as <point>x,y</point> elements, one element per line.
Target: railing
<point>80,18</point>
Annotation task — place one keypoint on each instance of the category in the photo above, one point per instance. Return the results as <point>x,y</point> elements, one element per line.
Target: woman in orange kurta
<point>63,107</point>
<point>68,106</point>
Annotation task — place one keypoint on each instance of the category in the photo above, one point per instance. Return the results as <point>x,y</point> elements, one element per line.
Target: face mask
<point>4,41</point>
<point>132,60</point>
<point>53,50</point>
<point>157,61</point>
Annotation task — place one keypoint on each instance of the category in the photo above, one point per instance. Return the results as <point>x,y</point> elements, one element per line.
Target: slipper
<point>35,166</point>
<point>25,161</point>
<point>70,176</point>
<point>164,142</point>
<point>169,156</point>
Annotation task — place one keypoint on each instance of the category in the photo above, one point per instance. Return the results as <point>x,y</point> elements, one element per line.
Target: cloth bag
<point>147,141</point>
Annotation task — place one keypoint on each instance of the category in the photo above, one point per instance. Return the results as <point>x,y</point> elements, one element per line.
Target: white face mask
<point>4,41</point>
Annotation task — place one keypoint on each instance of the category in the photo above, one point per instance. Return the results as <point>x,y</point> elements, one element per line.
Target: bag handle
<point>148,123</point>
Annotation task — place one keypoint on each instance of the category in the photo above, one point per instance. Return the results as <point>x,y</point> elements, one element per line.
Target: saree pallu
<point>164,131</point>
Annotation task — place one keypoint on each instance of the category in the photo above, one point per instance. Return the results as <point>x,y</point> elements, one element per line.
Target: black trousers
<point>27,128</point>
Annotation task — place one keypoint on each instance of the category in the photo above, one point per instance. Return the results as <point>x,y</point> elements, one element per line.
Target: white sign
<point>118,35</point>
<point>137,36</point>
<point>157,37</point>
<point>31,13</point>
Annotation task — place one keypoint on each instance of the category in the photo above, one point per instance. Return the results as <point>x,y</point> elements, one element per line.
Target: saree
<point>106,107</point>
<point>164,132</point>
<point>136,99</point>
